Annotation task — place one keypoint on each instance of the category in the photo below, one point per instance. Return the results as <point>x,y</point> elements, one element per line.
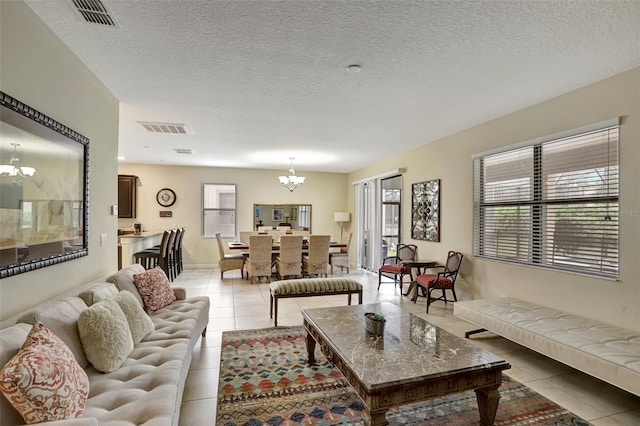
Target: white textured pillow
<point>139,322</point>
<point>105,335</point>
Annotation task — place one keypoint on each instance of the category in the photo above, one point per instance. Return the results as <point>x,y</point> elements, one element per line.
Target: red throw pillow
<point>43,381</point>
<point>154,288</point>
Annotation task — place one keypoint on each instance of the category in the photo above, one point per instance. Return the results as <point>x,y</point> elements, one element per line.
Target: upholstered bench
<point>308,287</point>
<point>605,351</point>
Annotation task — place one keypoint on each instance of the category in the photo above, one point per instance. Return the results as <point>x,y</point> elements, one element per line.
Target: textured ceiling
<point>259,81</point>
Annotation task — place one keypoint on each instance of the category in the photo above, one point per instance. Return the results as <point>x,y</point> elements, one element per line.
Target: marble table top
<point>411,350</point>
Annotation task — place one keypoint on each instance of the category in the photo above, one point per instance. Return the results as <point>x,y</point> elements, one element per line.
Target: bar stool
<point>150,258</point>
<point>178,251</point>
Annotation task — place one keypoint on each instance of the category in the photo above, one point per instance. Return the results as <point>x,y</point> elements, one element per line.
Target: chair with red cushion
<point>445,280</point>
<point>392,266</point>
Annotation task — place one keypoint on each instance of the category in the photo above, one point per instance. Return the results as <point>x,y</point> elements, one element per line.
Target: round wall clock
<point>166,197</point>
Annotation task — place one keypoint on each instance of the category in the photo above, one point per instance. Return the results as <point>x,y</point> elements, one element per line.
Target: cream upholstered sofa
<point>147,388</point>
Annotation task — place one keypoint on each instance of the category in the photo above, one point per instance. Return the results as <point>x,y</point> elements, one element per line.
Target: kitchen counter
<point>129,244</point>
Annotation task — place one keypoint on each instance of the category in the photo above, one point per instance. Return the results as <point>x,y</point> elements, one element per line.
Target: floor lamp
<point>341,217</point>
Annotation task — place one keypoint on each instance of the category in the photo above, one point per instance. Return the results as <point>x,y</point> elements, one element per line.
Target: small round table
<point>420,265</point>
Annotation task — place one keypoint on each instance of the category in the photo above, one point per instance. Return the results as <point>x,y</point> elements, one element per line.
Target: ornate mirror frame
<point>43,216</point>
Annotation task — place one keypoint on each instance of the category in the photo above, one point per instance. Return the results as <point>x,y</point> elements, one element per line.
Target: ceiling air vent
<point>183,151</point>
<point>95,12</point>
<point>171,128</point>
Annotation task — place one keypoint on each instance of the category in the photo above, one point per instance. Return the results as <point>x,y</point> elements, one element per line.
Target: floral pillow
<point>43,381</point>
<point>154,288</point>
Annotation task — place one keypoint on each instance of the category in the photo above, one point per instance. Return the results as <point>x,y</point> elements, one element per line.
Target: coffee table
<point>413,361</point>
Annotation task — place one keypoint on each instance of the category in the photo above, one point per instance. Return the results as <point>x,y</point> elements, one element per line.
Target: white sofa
<point>147,388</point>
<point>605,351</point>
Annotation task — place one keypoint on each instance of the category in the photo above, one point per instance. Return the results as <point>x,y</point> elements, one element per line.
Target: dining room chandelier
<point>292,181</point>
<point>14,170</point>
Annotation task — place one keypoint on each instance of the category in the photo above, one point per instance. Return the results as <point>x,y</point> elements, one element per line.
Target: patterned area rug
<point>265,380</point>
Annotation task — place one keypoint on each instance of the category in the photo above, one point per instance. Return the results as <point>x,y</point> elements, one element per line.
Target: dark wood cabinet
<point>127,185</point>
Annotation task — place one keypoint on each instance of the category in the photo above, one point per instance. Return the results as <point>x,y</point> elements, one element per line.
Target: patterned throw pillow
<point>43,381</point>
<point>154,288</point>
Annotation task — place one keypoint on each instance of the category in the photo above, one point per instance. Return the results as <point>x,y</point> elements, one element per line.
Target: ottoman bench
<point>308,287</point>
<point>606,351</point>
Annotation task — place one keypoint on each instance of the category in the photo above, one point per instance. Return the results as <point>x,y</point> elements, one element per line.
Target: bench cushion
<point>314,285</point>
<point>605,351</point>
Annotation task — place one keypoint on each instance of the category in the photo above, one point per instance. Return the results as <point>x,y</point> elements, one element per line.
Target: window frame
<point>542,220</point>
<point>233,211</point>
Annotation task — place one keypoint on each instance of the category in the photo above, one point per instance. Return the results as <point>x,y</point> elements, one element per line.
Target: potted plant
<point>374,323</point>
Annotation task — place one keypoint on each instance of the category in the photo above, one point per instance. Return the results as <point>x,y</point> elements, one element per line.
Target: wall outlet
<point>103,240</point>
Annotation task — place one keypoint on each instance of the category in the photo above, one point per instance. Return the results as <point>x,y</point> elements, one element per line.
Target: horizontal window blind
<point>219,210</point>
<point>552,204</point>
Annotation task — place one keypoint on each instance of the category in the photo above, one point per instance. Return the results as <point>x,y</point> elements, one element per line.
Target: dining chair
<point>258,263</point>
<point>289,262</point>
<point>228,262</point>
<point>302,232</point>
<point>244,236</point>
<point>392,266</point>
<point>275,234</point>
<point>341,258</point>
<point>445,280</point>
<point>317,261</point>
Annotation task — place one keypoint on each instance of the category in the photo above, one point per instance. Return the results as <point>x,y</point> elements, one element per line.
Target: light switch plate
<point>103,240</point>
<point>114,210</point>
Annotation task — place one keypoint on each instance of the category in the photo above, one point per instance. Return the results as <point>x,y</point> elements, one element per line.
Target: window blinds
<point>552,203</point>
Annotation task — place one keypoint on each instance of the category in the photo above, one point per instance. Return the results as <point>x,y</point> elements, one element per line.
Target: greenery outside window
<point>218,210</point>
<point>552,202</point>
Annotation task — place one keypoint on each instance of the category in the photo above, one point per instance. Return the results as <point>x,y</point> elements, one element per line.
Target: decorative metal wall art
<point>425,210</point>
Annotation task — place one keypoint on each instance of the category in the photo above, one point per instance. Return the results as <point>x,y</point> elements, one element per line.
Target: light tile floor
<point>238,305</point>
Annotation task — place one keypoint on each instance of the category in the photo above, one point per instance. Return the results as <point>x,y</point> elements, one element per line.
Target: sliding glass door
<point>391,190</point>
<point>378,209</point>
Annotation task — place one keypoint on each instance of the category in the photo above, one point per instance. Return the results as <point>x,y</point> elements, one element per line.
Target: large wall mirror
<point>44,189</point>
<point>272,216</point>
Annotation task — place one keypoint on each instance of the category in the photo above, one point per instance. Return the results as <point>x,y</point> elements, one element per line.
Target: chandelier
<point>14,170</point>
<point>292,181</point>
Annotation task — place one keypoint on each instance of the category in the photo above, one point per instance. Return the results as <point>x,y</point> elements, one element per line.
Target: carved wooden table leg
<point>377,418</point>
<point>311,349</point>
<point>488,398</point>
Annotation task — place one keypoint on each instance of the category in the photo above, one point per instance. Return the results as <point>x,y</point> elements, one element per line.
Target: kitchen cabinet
<point>127,185</point>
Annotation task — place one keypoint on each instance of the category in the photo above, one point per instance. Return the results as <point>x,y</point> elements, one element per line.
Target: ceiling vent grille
<point>183,151</point>
<point>171,128</point>
<point>95,12</point>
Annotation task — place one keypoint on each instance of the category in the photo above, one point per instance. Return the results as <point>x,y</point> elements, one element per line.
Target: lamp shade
<point>342,216</point>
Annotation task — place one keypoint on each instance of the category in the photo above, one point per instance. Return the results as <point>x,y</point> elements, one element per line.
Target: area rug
<point>265,380</point>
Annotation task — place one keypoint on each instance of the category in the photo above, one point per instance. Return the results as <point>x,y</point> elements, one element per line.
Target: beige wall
<point>450,160</point>
<point>326,192</point>
<point>39,70</point>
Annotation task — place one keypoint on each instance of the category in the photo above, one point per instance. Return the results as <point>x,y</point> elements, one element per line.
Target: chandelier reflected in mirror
<point>292,181</point>
<point>14,170</point>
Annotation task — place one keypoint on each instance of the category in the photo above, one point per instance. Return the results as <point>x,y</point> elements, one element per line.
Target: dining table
<point>238,245</point>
